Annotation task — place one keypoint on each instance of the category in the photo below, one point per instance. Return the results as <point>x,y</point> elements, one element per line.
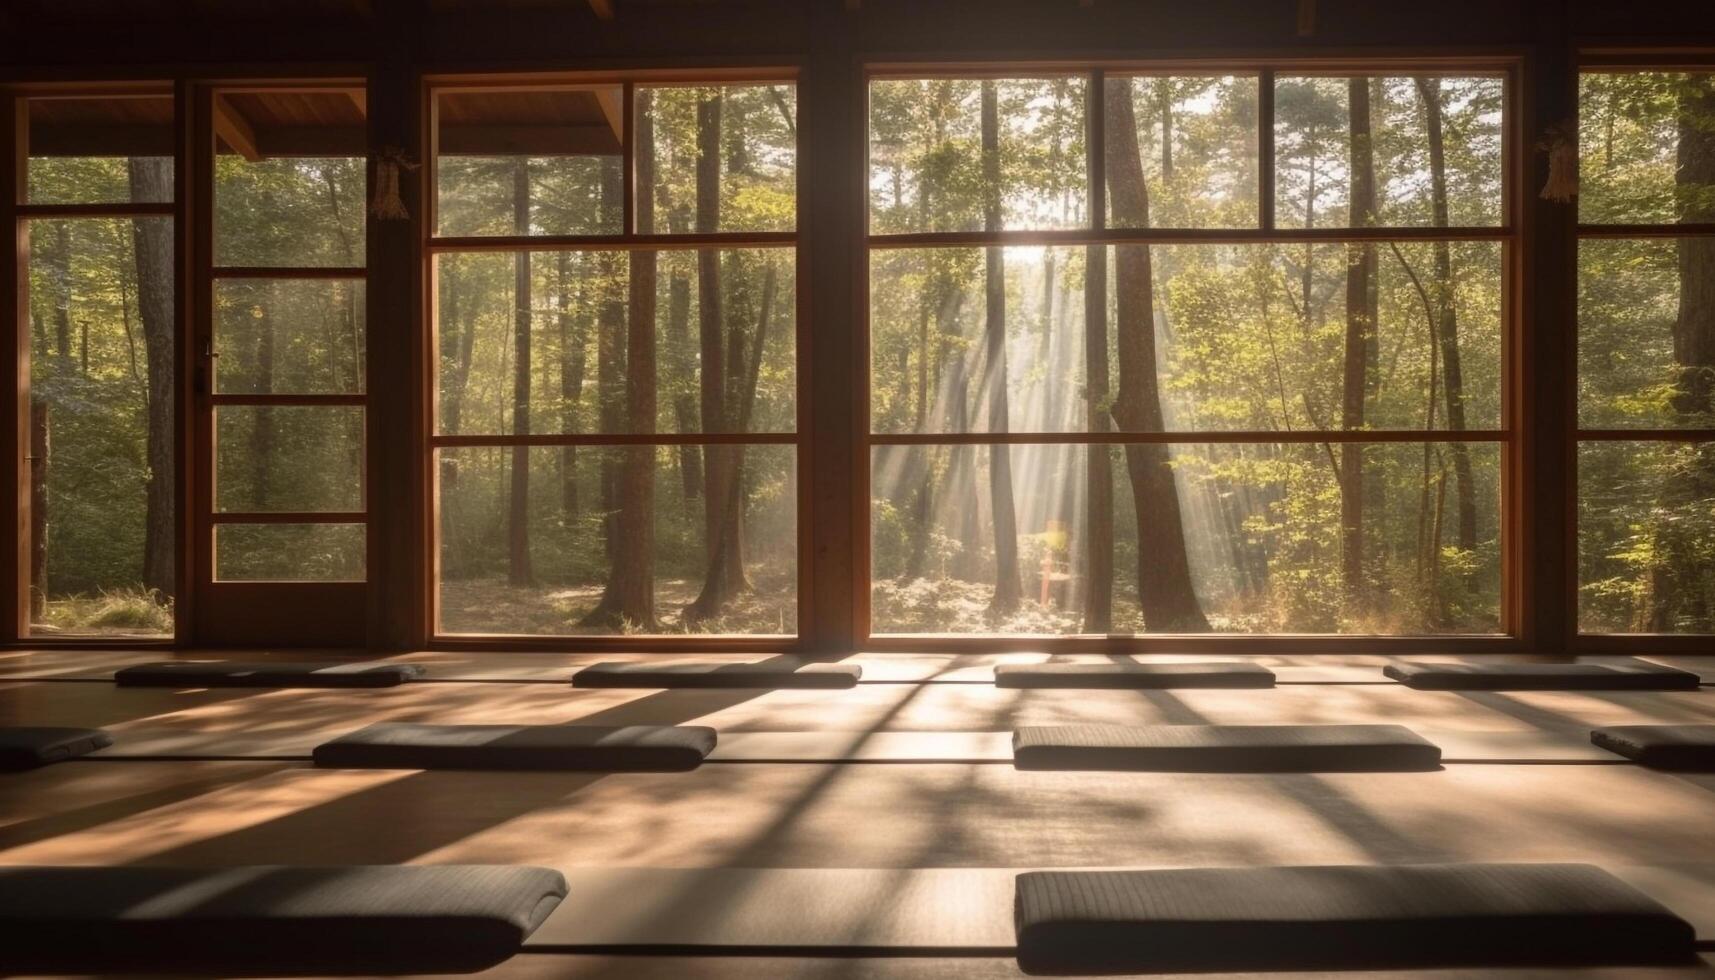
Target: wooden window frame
<point>16,212</point>
<point>434,245</point>
<point>1618,61</point>
<point>1513,632</point>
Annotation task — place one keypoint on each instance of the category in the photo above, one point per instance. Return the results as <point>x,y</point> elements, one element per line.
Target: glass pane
<point>289,336</point>
<point>1646,537</point>
<point>289,552</point>
<point>542,161</point>
<point>576,353</point>
<point>751,131</point>
<point>1239,538</point>
<point>930,366</point>
<point>537,558</point>
<point>289,212</point>
<point>927,144</point>
<point>1646,147</point>
<point>1242,337</point>
<point>1195,146</point>
<point>1641,362</point>
<point>102,329</point>
<point>288,458</point>
<point>1425,168</point>
<point>101,149</point>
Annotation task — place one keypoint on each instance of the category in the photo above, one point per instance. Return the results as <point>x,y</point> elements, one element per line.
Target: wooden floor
<point>860,833</point>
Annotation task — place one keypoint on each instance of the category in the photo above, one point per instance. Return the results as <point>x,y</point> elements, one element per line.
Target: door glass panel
<point>289,336</point>
<point>102,532</point>
<point>289,552</point>
<point>288,458</point>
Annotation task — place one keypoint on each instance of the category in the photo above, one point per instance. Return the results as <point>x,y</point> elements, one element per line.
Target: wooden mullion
<point>654,242</point>
<point>1297,436</point>
<point>14,343</point>
<point>225,400</point>
<point>164,209</point>
<point>288,272</point>
<point>290,517</point>
<point>1185,236</point>
<point>1645,435</point>
<point>618,439</point>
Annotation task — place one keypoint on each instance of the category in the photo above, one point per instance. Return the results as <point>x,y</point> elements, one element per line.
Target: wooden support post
<point>15,349</point>
<point>398,461</point>
<point>1545,569</point>
<point>830,211</point>
<point>234,130</point>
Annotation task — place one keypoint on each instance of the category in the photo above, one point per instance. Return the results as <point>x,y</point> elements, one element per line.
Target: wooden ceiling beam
<point>232,129</point>
<point>612,110</point>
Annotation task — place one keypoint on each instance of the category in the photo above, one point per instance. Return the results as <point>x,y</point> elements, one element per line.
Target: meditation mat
<point>779,673</point>
<point>581,748</point>
<point>1634,676</point>
<point>30,748</point>
<point>1683,748</point>
<point>1224,748</point>
<point>224,674</point>
<point>1132,676</point>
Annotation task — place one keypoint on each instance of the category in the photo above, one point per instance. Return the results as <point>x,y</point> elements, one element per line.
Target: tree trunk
<point>1164,568</point>
<point>518,571</point>
<point>262,436</point>
<point>611,340</point>
<point>1007,587</point>
<point>1360,274</point>
<point>720,383</point>
<point>40,460</point>
<point>629,598</point>
<point>1452,375</point>
<point>152,180</point>
<point>685,364</point>
<point>571,383</point>
<point>1098,465</point>
<point>1680,594</point>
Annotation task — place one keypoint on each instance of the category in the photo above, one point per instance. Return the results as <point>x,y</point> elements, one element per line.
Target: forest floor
<point>493,606</point>
<point>120,614</point>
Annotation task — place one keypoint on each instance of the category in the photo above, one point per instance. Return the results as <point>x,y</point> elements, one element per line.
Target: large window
<point>97,215</point>
<point>1186,353</point>
<point>1646,352</point>
<point>616,370</point>
<point>287,337</point>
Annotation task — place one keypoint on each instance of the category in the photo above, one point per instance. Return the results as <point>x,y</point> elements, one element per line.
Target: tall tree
<point>629,598</point>
<point>1682,582</point>
<point>611,336</point>
<point>572,355</point>
<point>1452,373</point>
<point>723,499</point>
<point>151,179</point>
<point>1007,587</point>
<point>518,570</point>
<point>1099,478</point>
<point>1165,594</point>
<point>1360,327</point>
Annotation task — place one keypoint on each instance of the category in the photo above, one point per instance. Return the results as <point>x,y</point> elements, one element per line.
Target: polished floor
<point>858,833</point>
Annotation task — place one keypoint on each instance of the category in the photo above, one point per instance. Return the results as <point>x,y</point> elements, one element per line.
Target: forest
<point>1284,519</point>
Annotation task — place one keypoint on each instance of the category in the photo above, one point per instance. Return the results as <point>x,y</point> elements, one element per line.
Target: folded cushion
<point>270,920</point>
<point>1133,675</point>
<point>29,748</point>
<point>1633,676</point>
<point>1686,748</point>
<point>780,672</point>
<point>191,674</point>
<point>635,748</point>
<point>1330,918</point>
<point>1224,748</point>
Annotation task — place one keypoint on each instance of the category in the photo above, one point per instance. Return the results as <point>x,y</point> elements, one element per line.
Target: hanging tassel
<point>387,204</point>
<point>1560,142</point>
